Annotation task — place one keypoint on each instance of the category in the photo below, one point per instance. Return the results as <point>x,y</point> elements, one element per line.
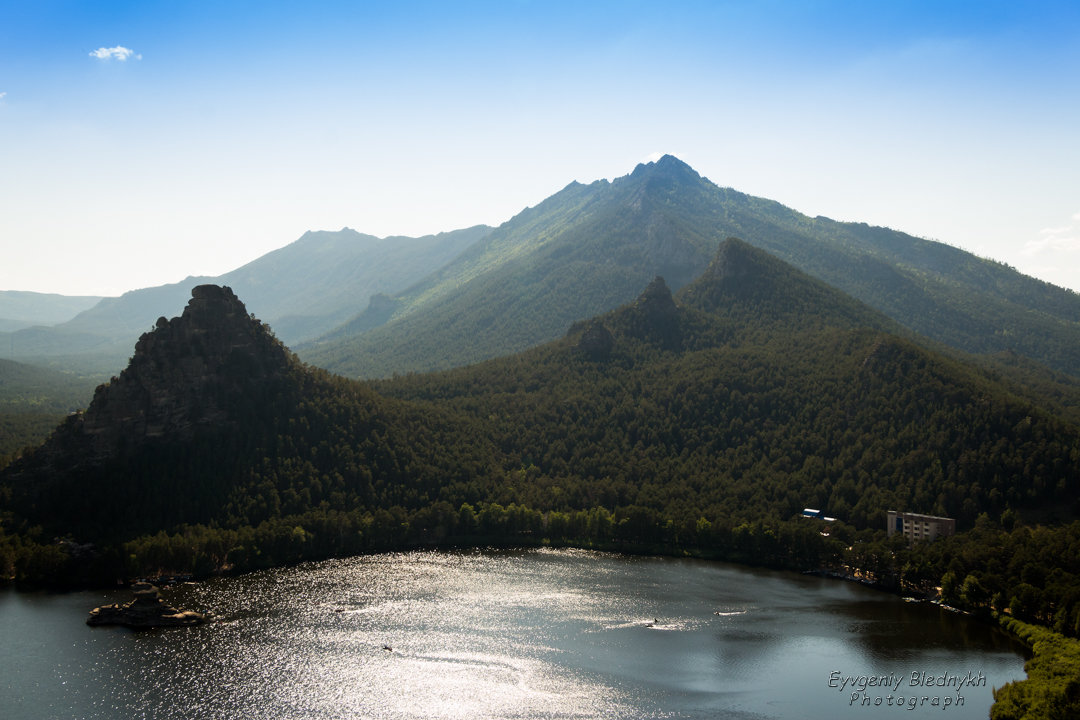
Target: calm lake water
<point>527,634</point>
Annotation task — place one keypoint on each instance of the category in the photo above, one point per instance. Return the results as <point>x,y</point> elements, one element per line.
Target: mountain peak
<point>657,296</point>
<point>654,317</point>
<point>670,161</point>
<point>740,271</point>
<point>747,282</point>
<point>208,301</point>
<point>185,374</point>
<point>737,260</point>
<point>196,385</point>
<point>667,165</point>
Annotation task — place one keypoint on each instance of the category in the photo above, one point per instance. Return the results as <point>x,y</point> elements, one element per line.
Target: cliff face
<point>170,438</point>
<point>189,372</point>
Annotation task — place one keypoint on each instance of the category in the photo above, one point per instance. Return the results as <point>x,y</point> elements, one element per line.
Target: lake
<point>522,634</point>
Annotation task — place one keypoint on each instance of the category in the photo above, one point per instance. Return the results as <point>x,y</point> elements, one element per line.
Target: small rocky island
<point>147,610</point>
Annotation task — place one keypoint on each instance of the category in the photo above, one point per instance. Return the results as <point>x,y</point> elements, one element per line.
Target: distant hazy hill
<point>301,290</point>
<point>318,282</point>
<point>20,309</point>
<point>591,247</point>
<point>362,306</point>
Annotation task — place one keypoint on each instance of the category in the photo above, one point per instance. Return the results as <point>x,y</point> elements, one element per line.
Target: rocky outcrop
<point>213,379</point>
<point>186,373</point>
<point>147,610</point>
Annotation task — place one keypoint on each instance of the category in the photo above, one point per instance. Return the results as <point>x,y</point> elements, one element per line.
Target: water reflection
<point>534,634</point>
<point>888,631</point>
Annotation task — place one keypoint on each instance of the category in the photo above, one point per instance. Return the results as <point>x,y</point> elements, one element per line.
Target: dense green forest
<point>700,423</point>
<point>707,423</point>
<point>33,400</point>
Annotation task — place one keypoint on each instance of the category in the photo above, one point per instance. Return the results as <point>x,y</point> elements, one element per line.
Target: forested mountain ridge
<point>321,280</point>
<point>204,373</point>
<point>590,248</point>
<point>20,309</point>
<point>702,421</point>
<point>758,289</point>
<point>583,251</point>
<point>210,411</point>
<point>407,304</point>
<point>759,387</point>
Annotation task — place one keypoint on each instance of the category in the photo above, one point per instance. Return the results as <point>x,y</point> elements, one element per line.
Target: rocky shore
<point>147,610</point>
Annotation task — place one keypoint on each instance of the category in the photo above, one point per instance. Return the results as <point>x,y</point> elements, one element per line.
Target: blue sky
<point>141,142</point>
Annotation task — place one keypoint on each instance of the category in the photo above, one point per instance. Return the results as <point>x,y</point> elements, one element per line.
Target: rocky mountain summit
<point>198,387</point>
<point>184,374</point>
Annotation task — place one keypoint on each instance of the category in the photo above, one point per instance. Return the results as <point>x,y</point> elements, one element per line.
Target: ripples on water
<point>532,634</point>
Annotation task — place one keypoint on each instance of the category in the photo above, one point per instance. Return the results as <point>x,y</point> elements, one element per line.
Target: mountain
<point>746,283</point>
<point>105,332</point>
<point>367,307</point>
<point>195,375</point>
<point>754,391</point>
<point>590,248</point>
<point>302,290</point>
<point>20,309</point>
<point>320,281</point>
<point>583,251</point>
<point>211,408</point>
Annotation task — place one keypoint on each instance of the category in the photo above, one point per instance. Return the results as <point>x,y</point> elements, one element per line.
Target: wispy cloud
<point>1053,244</point>
<point>3,95</point>
<point>1056,239</point>
<point>119,52</point>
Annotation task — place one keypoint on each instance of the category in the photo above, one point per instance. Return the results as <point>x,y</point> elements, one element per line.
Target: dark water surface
<point>528,634</point>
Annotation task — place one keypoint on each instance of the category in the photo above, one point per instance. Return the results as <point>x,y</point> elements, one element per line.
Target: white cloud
<point>1061,239</point>
<point>1054,243</point>
<point>3,95</point>
<point>119,52</point>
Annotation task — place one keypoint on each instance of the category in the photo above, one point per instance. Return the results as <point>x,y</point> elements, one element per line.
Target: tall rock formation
<point>197,390</point>
<point>188,372</point>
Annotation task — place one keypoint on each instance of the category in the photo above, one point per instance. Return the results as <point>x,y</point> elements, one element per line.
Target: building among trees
<point>919,527</point>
